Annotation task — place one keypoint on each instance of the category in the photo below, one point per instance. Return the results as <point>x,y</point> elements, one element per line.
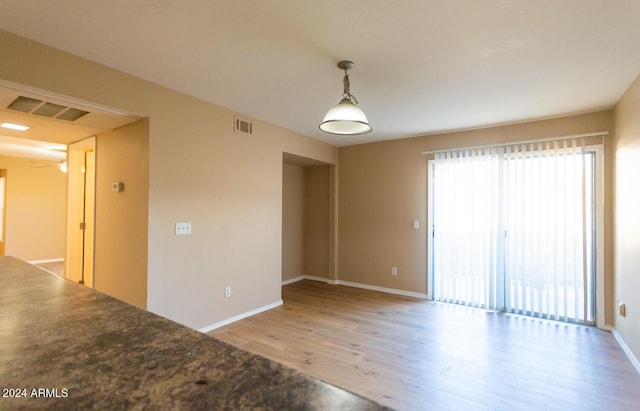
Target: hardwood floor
<point>54,267</point>
<point>413,354</point>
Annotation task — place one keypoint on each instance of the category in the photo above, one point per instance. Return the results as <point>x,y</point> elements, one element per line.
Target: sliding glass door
<point>465,207</point>
<point>513,229</point>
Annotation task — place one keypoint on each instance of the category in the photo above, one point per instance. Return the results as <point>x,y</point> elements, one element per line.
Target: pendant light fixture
<point>346,118</point>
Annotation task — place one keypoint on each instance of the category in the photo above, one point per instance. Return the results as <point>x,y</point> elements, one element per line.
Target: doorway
<point>308,219</point>
<point>81,211</point>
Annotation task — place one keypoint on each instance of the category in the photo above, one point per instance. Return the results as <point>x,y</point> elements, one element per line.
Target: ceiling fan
<point>62,164</point>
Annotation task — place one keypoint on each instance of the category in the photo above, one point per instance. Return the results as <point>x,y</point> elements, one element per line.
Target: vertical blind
<point>513,228</point>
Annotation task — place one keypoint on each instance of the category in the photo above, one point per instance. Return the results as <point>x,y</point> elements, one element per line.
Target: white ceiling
<point>33,149</point>
<point>422,66</point>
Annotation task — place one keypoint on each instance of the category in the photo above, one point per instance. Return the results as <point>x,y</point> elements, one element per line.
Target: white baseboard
<point>626,349</point>
<point>381,289</point>
<point>357,285</point>
<point>293,280</point>
<point>305,277</point>
<point>314,278</point>
<point>239,317</point>
<point>52,260</point>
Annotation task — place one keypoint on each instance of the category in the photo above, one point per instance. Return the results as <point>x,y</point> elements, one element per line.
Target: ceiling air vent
<point>72,114</point>
<point>45,109</point>
<point>24,104</point>
<point>242,126</point>
<point>49,110</point>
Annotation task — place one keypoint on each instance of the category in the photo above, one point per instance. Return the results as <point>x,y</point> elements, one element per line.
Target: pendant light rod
<point>346,65</point>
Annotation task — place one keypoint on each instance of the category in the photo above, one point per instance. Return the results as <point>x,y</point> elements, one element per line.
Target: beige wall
<point>228,185</point>
<point>627,218</point>
<point>36,210</point>
<point>383,187</point>
<point>122,155</point>
<point>292,221</point>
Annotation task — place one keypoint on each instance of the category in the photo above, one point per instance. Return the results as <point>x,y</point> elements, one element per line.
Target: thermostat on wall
<point>117,187</point>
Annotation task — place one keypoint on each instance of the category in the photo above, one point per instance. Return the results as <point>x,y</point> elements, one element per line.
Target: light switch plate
<point>183,228</point>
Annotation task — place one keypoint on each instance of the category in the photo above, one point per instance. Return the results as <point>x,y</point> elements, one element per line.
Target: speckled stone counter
<point>65,346</point>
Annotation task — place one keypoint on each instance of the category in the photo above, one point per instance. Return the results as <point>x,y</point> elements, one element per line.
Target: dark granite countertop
<point>65,346</point>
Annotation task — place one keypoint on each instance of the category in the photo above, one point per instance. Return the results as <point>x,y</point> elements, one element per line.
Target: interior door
<point>3,185</point>
<point>81,211</point>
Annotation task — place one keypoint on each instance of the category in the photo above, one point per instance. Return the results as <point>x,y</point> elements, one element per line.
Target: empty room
<point>358,205</point>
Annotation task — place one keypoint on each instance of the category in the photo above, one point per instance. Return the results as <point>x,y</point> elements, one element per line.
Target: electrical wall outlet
<point>622,309</point>
<point>227,292</point>
<point>394,270</point>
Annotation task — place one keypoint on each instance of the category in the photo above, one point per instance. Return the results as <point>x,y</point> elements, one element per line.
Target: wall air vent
<point>242,126</point>
<point>45,109</point>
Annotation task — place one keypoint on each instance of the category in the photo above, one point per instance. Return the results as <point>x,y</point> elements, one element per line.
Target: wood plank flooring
<point>412,354</point>
<point>54,267</point>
